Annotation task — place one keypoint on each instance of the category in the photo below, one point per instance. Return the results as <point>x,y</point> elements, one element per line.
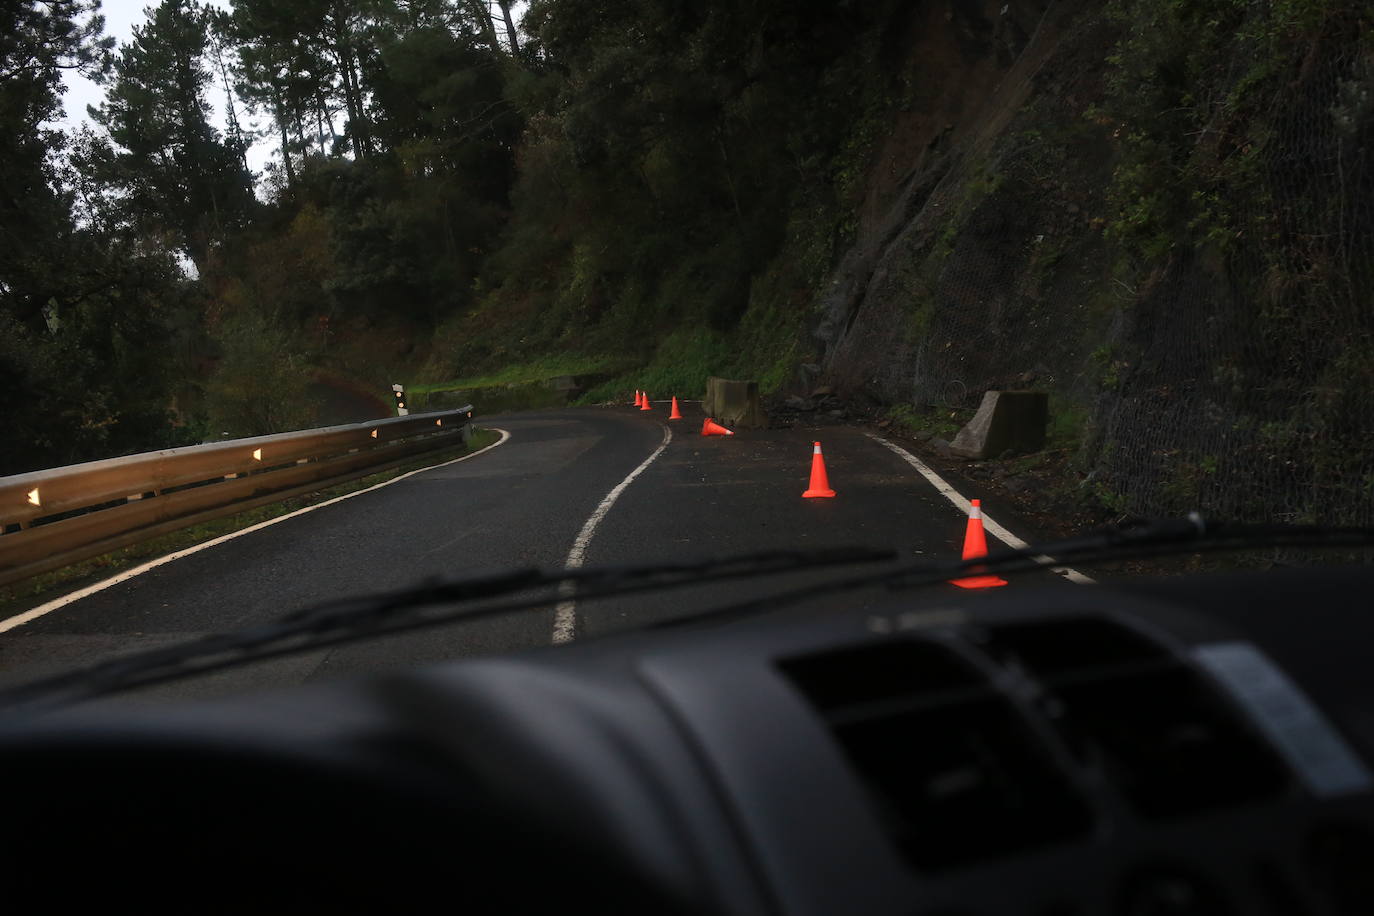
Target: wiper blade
<point>432,603</point>
<point>429,604</point>
<point>1193,534</point>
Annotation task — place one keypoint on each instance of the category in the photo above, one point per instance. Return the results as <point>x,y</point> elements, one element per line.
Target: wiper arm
<point>354,619</point>
<point>428,604</point>
<point>1192,534</point>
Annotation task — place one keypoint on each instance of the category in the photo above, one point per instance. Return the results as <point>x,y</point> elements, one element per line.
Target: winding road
<point>578,486</point>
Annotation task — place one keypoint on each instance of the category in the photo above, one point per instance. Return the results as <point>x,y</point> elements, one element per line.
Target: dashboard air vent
<point>1128,707</point>
<point>955,775</point>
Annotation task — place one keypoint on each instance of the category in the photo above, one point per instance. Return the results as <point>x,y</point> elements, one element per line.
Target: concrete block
<point>734,403</point>
<point>1006,421</point>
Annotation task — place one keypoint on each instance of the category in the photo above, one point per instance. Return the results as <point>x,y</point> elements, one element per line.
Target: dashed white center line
<point>565,612</point>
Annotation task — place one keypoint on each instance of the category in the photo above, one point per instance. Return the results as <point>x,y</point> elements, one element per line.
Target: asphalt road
<point>522,503</point>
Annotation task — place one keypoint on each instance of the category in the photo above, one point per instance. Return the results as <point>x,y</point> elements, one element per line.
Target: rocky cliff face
<point>1160,214</point>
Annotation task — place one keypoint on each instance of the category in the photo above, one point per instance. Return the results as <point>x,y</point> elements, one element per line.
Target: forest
<point>1159,211</point>
<point>447,193</point>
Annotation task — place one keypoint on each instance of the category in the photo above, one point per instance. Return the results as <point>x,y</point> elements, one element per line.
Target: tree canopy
<point>446,188</point>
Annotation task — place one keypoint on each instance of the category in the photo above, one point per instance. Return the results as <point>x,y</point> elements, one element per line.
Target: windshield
<point>304,307</point>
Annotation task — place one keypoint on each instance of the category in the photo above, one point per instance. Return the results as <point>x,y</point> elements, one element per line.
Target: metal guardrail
<point>60,516</point>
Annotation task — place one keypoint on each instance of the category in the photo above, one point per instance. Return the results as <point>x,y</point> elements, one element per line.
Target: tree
<point>261,384</point>
<point>181,179</point>
<point>511,37</point>
<point>37,42</point>
<point>280,69</point>
<point>298,59</point>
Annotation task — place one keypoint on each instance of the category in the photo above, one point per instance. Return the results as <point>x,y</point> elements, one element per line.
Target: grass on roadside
<point>524,373</point>
<point>931,422</point>
<point>21,595</point>
<point>679,367</point>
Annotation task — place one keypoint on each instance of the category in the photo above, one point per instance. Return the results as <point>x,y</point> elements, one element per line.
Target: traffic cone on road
<point>820,483</point>
<point>975,546</point>
<point>638,397</point>
<point>645,404</point>
<point>712,428</point>
<point>676,414</point>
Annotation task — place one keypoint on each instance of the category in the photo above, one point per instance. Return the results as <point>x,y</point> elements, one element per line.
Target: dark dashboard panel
<point>1177,747</point>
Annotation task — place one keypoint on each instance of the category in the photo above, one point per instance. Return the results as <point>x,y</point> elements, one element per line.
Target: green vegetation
<point>524,373</point>
<point>1165,226</point>
<point>654,191</point>
<point>14,598</point>
<point>1195,139</point>
<point>680,368</point>
<point>1067,424</point>
<point>931,422</point>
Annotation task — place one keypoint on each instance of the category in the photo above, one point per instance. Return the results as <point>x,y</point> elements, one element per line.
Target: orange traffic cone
<point>712,428</point>
<point>676,414</point>
<point>975,546</point>
<point>820,483</point>
<point>645,404</point>
<point>637,397</point>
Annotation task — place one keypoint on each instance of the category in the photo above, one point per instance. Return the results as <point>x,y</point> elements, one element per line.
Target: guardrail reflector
<point>438,422</point>
<point>374,434</point>
<point>257,454</point>
<point>33,498</point>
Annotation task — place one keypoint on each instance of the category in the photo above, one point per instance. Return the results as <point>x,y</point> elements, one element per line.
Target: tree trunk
<point>480,12</point>
<point>510,28</point>
<point>300,133</point>
<point>362,147</point>
<point>322,118</point>
<point>231,112</point>
<point>346,63</point>
<point>279,115</point>
<point>351,103</point>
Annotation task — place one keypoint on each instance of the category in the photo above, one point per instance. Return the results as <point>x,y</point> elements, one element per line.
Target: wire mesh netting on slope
<point>1200,282</point>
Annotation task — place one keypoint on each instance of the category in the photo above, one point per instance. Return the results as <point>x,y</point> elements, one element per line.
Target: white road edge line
<point>34,613</point>
<point>565,612</point>
<point>992,528</point>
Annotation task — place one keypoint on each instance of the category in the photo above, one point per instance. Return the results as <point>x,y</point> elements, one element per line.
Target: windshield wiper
<point>442,602</point>
<point>429,604</point>
<point>1193,534</point>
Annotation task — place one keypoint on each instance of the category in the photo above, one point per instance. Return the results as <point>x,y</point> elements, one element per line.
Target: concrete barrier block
<point>1006,421</point>
<point>734,403</point>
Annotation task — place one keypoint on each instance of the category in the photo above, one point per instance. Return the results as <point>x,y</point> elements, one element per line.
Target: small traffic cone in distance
<point>645,404</point>
<point>975,546</point>
<point>820,483</point>
<point>712,428</point>
<point>676,414</point>
<point>638,395</point>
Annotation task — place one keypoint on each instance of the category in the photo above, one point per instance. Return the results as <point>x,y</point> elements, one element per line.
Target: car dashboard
<point>1194,745</point>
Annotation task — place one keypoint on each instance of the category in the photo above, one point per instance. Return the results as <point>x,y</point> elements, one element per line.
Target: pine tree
<point>183,181</point>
